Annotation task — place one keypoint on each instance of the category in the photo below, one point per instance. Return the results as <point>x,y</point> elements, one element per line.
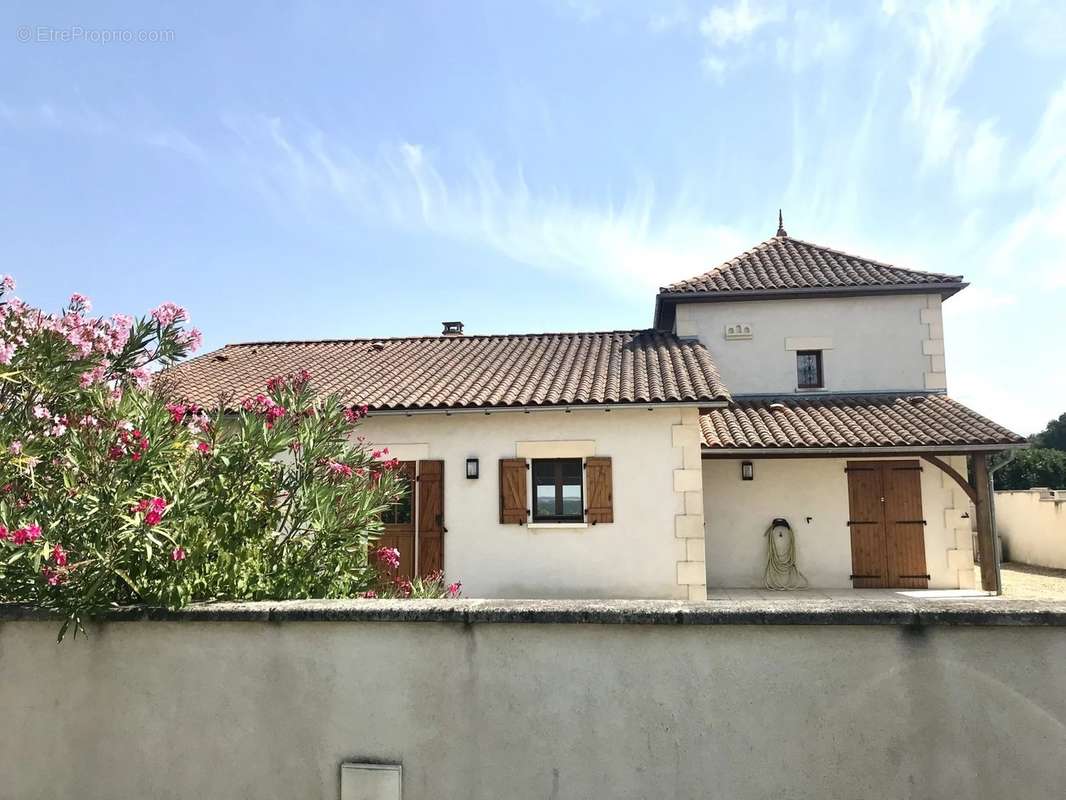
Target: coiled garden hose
<point>782,573</point>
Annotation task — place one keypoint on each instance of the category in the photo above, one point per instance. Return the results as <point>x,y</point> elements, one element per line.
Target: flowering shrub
<point>114,492</point>
<point>391,584</point>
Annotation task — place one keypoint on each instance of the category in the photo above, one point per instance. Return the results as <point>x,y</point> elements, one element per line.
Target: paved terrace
<point>889,608</point>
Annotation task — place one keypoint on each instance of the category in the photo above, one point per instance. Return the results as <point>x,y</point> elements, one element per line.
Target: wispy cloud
<point>750,31</point>
<point>631,244</point>
<point>977,168</point>
<point>83,121</point>
<point>668,20</point>
<point>946,36</point>
<point>725,25</point>
<point>1036,237</point>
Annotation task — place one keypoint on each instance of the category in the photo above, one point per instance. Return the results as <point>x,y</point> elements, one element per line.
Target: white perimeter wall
<point>1032,525</point>
<point>179,710</point>
<point>870,343</point>
<point>636,556</point>
<point>738,512</point>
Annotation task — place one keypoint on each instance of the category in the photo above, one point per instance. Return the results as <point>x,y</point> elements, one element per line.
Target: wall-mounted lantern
<point>472,468</point>
<point>747,471</point>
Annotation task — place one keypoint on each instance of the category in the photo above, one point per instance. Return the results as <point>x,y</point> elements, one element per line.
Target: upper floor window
<point>557,490</point>
<point>809,374</point>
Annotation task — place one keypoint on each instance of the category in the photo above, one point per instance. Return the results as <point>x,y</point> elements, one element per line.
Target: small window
<point>557,490</point>
<point>809,369</point>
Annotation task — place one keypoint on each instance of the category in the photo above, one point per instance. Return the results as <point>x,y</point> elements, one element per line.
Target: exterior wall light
<point>747,471</point>
<point>472,468</point>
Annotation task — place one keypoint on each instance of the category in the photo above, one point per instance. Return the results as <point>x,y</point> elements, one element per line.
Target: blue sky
<point>339,170</point>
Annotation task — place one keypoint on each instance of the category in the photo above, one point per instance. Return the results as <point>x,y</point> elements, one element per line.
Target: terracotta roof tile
<point>786,264</point>
<point>468,371</point>
<point>852,421</point>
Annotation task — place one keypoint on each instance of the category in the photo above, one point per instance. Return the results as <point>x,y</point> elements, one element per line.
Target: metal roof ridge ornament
<point>781,226</point>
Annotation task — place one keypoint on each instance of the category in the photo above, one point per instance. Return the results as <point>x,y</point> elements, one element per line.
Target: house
<point>792,382</point>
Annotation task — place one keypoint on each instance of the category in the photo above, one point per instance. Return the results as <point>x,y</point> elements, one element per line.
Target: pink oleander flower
<point>41,412</point>
<point>54,577</point>
<point>142,377</point>
<point>7,284</point>
<point>192,340</point>
<point>177,554</point>
<point>7,351</point>
<point>152,508</point>
<point>403,586</point>
<point>355,413</point>
<point>168,313</point>
<point>370,594</point>
<point>3,533</point>
<point>59,555</point>
<point>388,557</point>
<point>26,534</point>
<point>118,333</point>
<point>455,589</point>
<point>93,376</point>
<point>203,447</point>
<point>177,412</point>
<point>15,447</point>
<point>81,301</point>
<point>338,469</point>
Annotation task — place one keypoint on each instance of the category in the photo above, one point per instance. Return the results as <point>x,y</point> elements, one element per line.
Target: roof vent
<point>778,407</point>
<point>916,400</point>
<point>452,329</point>
<point>221,357</point>
<point>377,345</point>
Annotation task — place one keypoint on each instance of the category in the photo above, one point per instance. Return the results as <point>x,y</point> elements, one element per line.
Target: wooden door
<point>400,524</point>
<point>887,529</point>
<point>430,517</point>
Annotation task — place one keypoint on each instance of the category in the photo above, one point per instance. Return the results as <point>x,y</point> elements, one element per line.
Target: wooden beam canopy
<point>944,466</point>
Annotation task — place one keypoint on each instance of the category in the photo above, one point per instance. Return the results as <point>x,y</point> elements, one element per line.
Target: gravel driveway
<point>1031,583</point>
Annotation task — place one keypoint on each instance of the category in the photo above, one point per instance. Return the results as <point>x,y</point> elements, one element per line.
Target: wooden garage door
<point>887,528</point>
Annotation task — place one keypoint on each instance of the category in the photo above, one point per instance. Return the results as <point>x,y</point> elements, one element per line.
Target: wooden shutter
<point>904,525</point>
<point>430,517</point>
<point>869,569</point>
<point>513,507</point>
<point>401,535</point>
<point>598,483</point>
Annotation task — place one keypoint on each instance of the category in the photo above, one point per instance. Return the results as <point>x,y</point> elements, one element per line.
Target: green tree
<point>1034,467</point>
<point>1054,435</point>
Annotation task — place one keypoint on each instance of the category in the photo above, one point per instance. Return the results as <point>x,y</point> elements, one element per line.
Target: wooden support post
<point>986,542</point>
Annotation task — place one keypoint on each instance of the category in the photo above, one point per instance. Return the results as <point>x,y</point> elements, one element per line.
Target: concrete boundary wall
<point>1032,526</point>
<point>477,699</point>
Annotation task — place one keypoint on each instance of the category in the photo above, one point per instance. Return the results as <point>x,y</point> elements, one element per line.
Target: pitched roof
<point>445,372</point>
<point>783,265</point>
<point>856,421</point>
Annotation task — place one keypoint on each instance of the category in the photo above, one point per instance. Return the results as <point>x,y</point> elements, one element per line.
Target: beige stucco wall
<point>738,512</point>
<point>870,343</point>
<point>645,553</point>
<point>176,710</point>
<point>1032,526</point>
